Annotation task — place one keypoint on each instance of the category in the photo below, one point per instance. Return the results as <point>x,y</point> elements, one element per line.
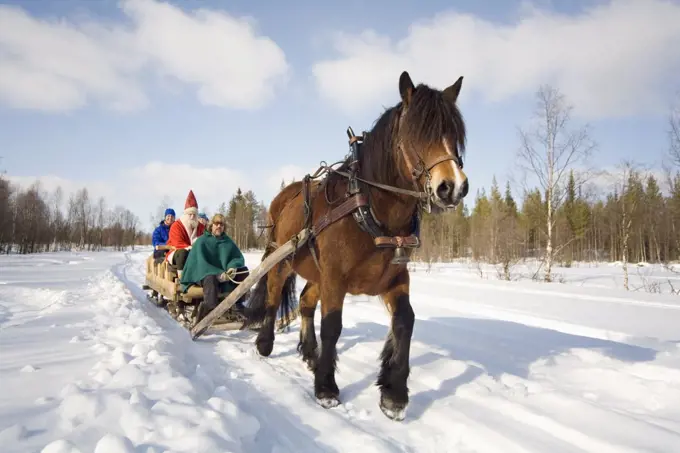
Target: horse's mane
<point>429,118</point>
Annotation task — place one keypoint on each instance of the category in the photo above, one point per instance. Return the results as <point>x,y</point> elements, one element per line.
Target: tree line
<point>572,212</point>
<point>243,213</point>
<point>33,220</point>
<point>562,210</point>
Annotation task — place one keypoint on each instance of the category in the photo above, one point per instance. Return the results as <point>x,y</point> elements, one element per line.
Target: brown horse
<point>418,143</point>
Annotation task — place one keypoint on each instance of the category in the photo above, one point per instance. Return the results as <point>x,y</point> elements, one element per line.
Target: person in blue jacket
<point>160,234</point>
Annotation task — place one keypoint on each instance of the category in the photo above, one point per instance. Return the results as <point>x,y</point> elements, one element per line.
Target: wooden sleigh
<point>162,279</point>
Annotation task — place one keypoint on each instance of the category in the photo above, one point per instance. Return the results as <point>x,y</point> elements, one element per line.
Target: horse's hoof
<point>393,410</point>
<point>327,401</point>
<point>264,348</point>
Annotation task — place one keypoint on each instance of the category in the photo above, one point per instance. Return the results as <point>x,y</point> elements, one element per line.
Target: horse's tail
<point>256,309</point>
<point>289,301</point>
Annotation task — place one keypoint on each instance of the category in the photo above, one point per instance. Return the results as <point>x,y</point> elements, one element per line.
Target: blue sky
<point>138,100</point>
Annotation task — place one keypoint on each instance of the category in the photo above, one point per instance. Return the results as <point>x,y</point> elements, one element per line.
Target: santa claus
<point>183,233</point>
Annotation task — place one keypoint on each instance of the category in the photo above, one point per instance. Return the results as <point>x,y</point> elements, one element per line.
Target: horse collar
<point>365,217</point>
<point>358,204</point>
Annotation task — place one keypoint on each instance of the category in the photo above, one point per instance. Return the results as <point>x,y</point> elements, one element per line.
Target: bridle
<point>358,204</point>
<point>415,163</point>
<point>420,168</point>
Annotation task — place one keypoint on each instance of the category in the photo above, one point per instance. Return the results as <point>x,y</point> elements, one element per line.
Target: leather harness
<point>357,202</point>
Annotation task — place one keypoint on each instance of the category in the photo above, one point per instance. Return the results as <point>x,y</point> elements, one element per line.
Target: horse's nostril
<point>464,189</point>
<point>444,190</point>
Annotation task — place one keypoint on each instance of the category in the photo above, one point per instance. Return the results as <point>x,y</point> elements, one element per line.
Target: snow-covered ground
<point>88,365</point>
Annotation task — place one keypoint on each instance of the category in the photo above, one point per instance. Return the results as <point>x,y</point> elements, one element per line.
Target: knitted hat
<point>190,205</point>
<point>169,211</point>
<point>202,215</point>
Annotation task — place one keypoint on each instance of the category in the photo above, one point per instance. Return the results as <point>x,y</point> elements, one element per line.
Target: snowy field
<point>87,365</point>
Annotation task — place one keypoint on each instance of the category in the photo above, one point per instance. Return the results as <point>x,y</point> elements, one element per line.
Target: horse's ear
<point>452,92</point>
<point>406,88</point>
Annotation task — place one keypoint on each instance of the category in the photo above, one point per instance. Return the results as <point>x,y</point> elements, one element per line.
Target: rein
<point>415,171</point>
<point>357,203</point>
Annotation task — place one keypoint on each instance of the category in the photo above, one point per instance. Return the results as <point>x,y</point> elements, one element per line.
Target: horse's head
<point>431,135</point>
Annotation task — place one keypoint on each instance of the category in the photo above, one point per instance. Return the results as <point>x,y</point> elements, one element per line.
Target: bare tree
<point>100,214</point>
<point>6,215</point>
<point>80,211</point>
<point>549,152</point>
<point>674,132</point>
<point>629,200</point>
<point>159,215</point>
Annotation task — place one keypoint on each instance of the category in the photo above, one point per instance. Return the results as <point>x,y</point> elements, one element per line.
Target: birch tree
<point>629,199</point>
<point>674,131</point>
<point>549,151</point>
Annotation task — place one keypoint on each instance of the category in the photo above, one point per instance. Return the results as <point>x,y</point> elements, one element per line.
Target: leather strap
<point>411,241</point>
<point>347,206</point>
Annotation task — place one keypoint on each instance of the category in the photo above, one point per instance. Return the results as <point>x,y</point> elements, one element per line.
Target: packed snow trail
<point>88,365</point>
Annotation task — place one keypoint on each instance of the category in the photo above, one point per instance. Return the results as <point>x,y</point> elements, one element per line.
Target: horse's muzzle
<point>447,194</point>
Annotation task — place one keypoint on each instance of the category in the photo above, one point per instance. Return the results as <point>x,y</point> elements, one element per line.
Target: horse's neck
<point>394,210</point>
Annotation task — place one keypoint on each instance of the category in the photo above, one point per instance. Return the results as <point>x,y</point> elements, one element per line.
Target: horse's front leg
<point>325,388</point>
<point>394,369</point>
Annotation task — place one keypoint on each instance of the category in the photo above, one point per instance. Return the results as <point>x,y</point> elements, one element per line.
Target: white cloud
<point>608,179</point>
<point>63,65</point>
<point>617,58</point>
<point>287,174</point>
<point>49,184</point>
<point>211,185</point>
<point>142,189</point>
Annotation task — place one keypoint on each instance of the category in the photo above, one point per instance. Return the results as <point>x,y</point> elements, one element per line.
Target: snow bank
<point>145,389</point>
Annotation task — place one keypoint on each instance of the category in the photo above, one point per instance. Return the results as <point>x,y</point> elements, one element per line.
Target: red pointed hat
<point>190,205</point>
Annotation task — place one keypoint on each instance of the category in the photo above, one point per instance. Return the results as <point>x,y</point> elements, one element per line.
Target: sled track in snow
<point>245,370</point>
<point>477,383</point>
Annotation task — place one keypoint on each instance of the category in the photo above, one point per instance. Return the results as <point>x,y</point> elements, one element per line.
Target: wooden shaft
<point>265,266</point>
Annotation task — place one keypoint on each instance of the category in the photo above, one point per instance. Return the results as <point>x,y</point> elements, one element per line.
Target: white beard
<point>191,227</point>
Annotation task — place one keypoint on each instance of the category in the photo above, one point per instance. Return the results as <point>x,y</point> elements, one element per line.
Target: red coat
<point>179,237</point>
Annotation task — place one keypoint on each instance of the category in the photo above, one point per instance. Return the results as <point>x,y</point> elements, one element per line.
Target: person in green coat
<point>216,264</point>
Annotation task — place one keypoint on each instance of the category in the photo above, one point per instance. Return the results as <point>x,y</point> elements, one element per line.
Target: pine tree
<point>479,221</point>
<point>510,204</point>
<point>653,210</point>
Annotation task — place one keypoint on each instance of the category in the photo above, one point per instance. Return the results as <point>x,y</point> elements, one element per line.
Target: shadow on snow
<point>486,346</point>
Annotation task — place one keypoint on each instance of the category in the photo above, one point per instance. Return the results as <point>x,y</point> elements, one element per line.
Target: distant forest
<point>570,213</point>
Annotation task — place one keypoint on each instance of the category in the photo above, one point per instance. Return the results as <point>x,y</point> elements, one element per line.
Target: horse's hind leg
<point>280,292</point>
<point>307,347</point>
<point>394,369</point>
